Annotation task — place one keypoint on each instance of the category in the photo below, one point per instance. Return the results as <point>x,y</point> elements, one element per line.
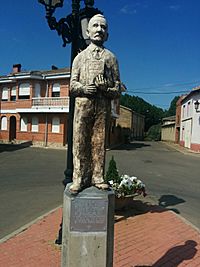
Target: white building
<point>190,120</point>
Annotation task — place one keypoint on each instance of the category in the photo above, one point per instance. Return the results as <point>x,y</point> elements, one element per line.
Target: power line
<point>168,85</point>
<point>158,93</point>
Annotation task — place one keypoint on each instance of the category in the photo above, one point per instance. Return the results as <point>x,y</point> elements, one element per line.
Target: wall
<point>190,122</point>
<point>132,124</point>
<point>168,133</point>
<point>44,136</point>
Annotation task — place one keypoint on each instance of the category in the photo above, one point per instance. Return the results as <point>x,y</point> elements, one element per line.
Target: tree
<point>154,133</point>
<point>172,109</point>
<point>153,115</point>
<point>112,173</point>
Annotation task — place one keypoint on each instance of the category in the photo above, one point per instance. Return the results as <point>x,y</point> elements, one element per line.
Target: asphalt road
<point>31,180</point>
<point>172,178</point>
<point>30,184</point>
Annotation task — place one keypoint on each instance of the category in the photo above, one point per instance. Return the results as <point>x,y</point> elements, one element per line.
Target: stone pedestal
<point>88,228</point>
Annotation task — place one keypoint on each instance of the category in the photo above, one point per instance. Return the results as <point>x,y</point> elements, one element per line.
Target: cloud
<point>133,8</point>
<point>175,7</point>
<point>128,9</point>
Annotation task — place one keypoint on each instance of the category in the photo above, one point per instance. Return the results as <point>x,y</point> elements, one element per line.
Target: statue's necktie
<point>96,53</point>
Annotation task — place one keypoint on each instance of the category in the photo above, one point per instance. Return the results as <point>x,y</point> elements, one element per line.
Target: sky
<point>156,43</point>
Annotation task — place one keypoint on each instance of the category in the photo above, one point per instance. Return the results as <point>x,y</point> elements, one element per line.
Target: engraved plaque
<point>88,215</point>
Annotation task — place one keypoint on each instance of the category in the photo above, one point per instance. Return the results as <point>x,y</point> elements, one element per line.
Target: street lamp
<point>72,29</point>
<point>51,5</point>
<point>196,105</point>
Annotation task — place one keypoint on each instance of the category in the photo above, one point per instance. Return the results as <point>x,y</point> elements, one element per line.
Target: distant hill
<point>153,115</point>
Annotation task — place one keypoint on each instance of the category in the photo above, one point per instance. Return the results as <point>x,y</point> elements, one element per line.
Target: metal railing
<point>50,102</point>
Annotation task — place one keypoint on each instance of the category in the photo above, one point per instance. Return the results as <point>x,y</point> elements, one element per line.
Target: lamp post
<point>72,29</point>
<point>196,105</point>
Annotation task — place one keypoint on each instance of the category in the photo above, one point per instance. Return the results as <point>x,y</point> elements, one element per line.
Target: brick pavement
<point>149,236</point>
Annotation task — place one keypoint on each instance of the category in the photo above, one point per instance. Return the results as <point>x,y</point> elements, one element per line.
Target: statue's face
<point>97,30</point>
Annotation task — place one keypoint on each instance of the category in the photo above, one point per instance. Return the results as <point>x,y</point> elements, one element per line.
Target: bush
<point>112,173</point>
<point>154,133</point>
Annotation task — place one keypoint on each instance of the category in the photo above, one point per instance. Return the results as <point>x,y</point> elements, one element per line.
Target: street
<point>31,180</point>
<point>30,185</point>
<point>171,177</point>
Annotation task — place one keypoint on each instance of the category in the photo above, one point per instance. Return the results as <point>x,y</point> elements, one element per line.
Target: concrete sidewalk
<point>181,149</point>
<point>145,235</point>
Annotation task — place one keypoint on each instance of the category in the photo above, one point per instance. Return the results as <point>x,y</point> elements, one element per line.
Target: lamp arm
<point>52,22</point>
<point>63,28</point>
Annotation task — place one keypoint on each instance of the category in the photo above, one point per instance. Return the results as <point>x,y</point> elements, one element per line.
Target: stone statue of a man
<point>95,82</point>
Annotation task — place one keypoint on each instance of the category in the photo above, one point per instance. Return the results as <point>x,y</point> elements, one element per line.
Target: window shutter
<point>56,87</point>
<point>34,124</point>
<point>4,123</point>
<point>55,125</point>
<point>37,90</point>
<point>5,93</point>
<point>24,89</point>
<point>13,91</point>
<point>24,123</point>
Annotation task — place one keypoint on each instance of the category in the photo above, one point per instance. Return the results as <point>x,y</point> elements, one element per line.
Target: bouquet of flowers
<point>123,185</point>
<point>129,185</point>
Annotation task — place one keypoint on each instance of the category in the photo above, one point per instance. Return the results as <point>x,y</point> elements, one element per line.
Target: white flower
<point>127,185</point>
<point>133,179</point>
<point>125,176</point>
<point>126,182</point>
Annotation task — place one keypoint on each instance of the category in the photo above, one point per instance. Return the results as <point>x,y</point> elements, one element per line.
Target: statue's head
<point>98,29</point>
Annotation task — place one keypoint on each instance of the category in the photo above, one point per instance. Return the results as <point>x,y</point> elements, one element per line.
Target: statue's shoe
<point>102,186</point>
<point>74,188</point>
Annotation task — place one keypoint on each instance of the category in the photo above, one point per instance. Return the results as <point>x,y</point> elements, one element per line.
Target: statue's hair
<point>97,16</point>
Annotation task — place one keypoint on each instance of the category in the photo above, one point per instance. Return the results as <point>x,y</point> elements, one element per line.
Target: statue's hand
<point>101,82</point>
<point>90,89</point>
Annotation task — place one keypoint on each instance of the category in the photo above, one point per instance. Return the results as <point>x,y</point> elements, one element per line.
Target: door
<point>188,133</point>
<point>12,133</point>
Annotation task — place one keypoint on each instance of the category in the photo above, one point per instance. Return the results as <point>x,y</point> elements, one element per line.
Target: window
<point>23,124</point>
<point>188,109</point>
<point>37,90</point>
<point>56,90</point>
<point>13,94</point>
<point>34,126</point>
<point>24,91</point>
<point>4,94</point>
<point>183,111</point>
<point>183,133</point>
<point>55,125</point>
<point>4,123</point>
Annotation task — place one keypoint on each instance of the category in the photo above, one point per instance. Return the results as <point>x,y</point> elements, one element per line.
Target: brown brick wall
<point>178,120</point>
<point>40,136</point>
<point>132,124</point>
<point>125,118</point>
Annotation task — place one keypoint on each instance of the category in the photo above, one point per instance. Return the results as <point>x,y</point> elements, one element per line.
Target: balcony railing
<point>50,102</point>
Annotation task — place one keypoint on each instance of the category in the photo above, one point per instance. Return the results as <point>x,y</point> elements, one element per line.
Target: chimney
<point>16,68</point>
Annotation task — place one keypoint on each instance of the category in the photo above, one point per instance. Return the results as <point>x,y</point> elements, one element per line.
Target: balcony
<point>50,102</point>
<point>44,105</point>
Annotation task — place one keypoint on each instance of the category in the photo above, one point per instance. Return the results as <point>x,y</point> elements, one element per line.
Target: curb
<point>186,221</point>
<point>150,199</point>
<point>183,150</point>
<point>26,226</point>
